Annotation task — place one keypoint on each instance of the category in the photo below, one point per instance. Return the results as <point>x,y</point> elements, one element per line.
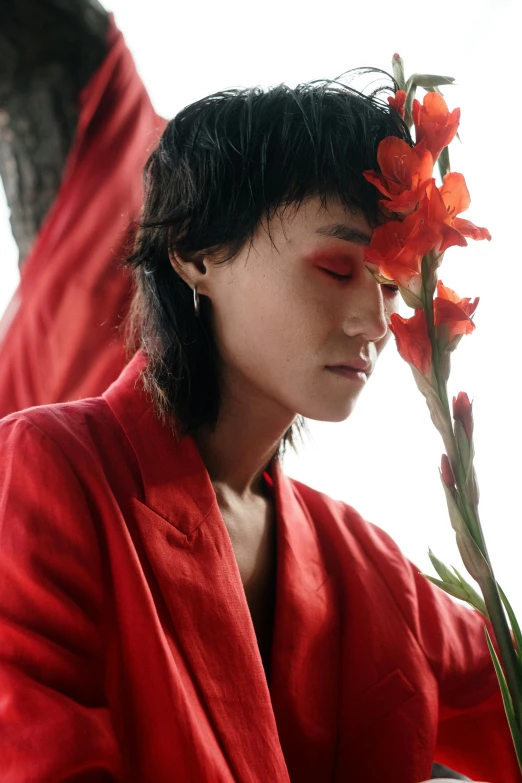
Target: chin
<point>332,413</point>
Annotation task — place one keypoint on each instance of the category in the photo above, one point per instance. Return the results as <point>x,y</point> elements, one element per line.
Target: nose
<point>366,311</point>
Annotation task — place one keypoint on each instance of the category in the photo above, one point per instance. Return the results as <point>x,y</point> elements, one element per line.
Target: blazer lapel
<point>193,561</point>
<point>307,645</point>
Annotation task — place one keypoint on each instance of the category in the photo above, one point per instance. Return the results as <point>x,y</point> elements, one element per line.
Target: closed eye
<point>336,275</point>
<point>389,287</point>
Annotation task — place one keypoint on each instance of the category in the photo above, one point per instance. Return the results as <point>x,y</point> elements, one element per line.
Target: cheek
<point>269,327</point>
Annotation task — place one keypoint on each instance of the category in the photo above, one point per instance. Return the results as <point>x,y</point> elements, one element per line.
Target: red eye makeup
<point>335,263</point>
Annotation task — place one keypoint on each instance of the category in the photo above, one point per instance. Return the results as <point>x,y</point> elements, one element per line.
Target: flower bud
<point>463,413</point>
<point>475,562</point>
<point>447,473</point>
<point>398,70</point>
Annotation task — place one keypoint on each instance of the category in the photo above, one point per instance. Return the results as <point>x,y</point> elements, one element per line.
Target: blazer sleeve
<point>54,722</point>
<point>473,733</point>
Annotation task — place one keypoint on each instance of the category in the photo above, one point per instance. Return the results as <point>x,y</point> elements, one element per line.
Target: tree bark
<point>49,49</point>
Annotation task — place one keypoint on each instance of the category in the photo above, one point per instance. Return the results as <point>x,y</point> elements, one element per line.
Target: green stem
<point>459,469</point>
<point>508,655</point>
<point>490,589</point>
<point>430,321</point>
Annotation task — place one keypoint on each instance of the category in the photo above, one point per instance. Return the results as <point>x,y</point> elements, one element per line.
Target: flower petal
<point>455,194</point>
<point>378,180</point>
<point>434,124</point>
<point>455,315</point>
<point>451,237</point>
<point>469,229</point>
<point>435,108</point>
<point>397,102</point>
<point>405,165</point>
<point>412,339</point>
<point>465,303</point>
<point>443,292</point>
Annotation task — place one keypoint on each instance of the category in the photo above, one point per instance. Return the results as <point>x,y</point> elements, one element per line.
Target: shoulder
<point>66,451</point>
<point>443,627</point>
<point>46,517</point>
<point>72,428</point>
<point>337,519</point>
<point>352,542</point>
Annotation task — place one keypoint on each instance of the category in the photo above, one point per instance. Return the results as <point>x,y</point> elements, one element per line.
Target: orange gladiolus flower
<point>397,248</point>
<point>412,339</point>
<point>405,174</point>
<point>449,309</point>
<point>397,102</point>
<point>441,206</point>
<point>434,124</point>
<point>463,412</point>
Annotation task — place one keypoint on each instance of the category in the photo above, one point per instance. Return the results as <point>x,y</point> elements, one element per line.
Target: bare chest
<point>253,536</point>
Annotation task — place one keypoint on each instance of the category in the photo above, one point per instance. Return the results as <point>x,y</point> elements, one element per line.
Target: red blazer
<point>127,648</point>
<point>60,337</point>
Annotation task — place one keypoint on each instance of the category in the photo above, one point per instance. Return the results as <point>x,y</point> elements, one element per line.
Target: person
<point>172,606</point>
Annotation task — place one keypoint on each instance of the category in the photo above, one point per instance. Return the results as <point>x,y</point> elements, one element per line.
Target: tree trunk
<point>49,49</point>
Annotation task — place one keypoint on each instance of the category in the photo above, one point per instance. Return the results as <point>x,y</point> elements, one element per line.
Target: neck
<point>238,451</point>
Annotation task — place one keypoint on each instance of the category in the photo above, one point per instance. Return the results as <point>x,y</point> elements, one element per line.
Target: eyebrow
<point>348,234</point>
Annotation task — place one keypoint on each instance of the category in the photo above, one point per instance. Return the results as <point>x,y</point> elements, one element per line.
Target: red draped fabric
<point>61,336</point>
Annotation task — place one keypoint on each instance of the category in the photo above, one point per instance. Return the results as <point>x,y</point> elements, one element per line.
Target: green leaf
<point>454,343</point>
<point>410,89</point>
<point>411,299</point>
<point>451,589</point>
<point>456,585</point>
<point>457,520</point>
<point>475,562</point>
<point>444,366</point>
<point>377,276</point>
<point>439,416</point>
<point>442,570</point>
<point>516,734</point>
<point>476,600</point>
<point>429,80</point>
<point>517,633</point>
<point>463,445</point>
<point>471,487</point>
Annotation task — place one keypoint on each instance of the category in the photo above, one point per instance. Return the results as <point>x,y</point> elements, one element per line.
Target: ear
<point>192,271</point>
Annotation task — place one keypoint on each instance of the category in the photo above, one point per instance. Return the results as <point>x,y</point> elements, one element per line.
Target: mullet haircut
<point>222,165</point>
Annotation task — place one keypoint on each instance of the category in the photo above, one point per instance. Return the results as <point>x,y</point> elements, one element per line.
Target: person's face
<point>290,308</point>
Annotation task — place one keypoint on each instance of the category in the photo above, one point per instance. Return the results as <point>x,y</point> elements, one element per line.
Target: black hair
<point>222,165</point>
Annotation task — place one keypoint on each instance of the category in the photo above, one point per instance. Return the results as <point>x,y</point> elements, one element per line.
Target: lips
<point>360,365</point>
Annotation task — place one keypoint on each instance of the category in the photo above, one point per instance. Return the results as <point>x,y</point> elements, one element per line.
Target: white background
<point>384,459</point>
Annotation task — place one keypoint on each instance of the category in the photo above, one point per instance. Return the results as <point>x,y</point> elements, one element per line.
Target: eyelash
<point>392,288</point>
<point>335,275</point>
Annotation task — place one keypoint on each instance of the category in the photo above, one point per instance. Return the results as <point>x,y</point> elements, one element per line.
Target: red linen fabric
<point>59,337</point>
<point>128,652</point>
